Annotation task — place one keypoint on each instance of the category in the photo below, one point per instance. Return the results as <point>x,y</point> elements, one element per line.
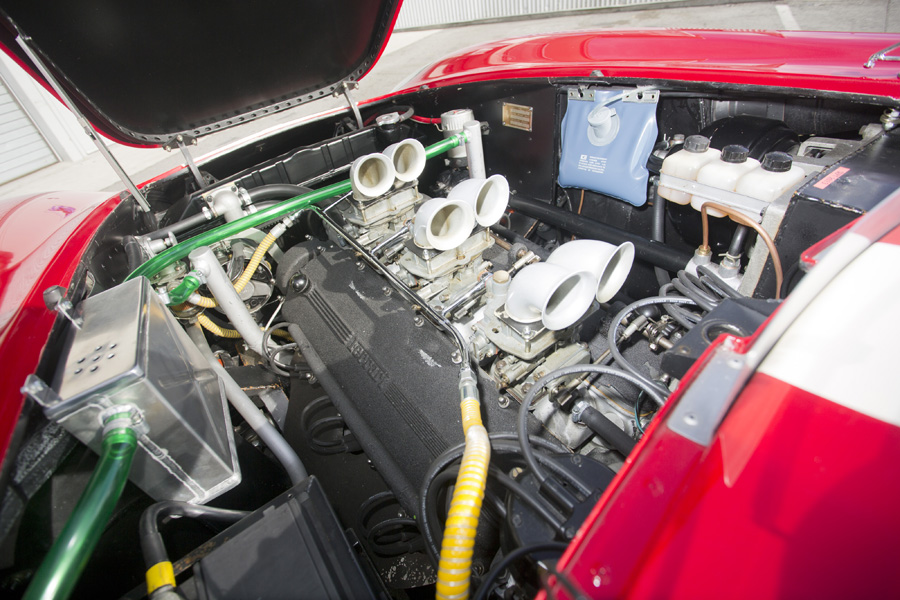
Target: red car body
<point>795,494</point>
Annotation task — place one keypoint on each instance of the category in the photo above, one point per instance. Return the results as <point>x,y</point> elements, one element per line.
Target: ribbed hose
<point>59,572</point>
<point>257,257</point>
<point>207,324</point>
<point>455,564</point>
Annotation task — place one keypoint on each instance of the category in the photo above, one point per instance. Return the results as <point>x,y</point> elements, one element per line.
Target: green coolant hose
<point>180,251</point>
<point>58,574</point>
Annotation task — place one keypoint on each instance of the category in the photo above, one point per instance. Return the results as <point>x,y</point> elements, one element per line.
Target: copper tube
<point>745,220</point>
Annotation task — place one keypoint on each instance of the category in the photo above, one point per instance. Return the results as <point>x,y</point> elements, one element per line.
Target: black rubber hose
<point>276,191</point>
<point>736,247</point>
<point>510,558</point>
<point>387,466</point>
<point>655,253</point>
<point>152,545</point>
<point>522,422</point>
<point>606,429</point>
<point>501,443</point>
<point>180,226</point>
<point>134,254</point>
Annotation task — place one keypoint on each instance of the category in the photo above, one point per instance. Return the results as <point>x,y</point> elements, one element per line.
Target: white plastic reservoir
<point>776,175</point>
<point>685,164</point>
<point>724,173</point>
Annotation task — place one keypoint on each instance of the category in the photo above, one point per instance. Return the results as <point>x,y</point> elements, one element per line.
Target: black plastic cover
<point>146,71</point>
<point>740,317</point>
<point>758,134</point>
<point>293,547</point>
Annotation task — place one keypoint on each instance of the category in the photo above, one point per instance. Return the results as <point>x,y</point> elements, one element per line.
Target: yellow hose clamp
<point>159,575</point>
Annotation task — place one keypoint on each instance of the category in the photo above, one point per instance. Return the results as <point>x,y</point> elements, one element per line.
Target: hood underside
<point>146,72</point>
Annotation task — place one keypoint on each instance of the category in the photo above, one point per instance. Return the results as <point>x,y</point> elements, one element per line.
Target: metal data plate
<point>132,351</point>
<point>518,116</point>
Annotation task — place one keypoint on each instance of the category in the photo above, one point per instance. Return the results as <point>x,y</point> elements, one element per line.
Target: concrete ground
<point>408,52</point>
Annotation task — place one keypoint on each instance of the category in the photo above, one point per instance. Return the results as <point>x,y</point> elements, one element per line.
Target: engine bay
<point>341,330</point>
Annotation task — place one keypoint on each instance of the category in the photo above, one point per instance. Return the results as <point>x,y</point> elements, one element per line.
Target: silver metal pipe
<point>396,236</point>
<point>479,287</point>
<point>254,416</point>
<point>401,287</point>
<point>227,297</point>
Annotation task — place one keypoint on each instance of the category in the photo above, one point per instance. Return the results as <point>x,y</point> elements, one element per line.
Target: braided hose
<point>455,564</point>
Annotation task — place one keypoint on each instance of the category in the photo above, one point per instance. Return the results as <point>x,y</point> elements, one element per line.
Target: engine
<point>527,277</point>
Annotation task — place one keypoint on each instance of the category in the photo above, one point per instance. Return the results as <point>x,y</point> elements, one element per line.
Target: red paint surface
<point>807,60</point>
<point>42,238</point>
<point>794,498</point>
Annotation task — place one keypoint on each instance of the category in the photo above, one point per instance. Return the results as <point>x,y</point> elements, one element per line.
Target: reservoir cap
<point>777,162</point>
<point>696,143</point>
<point>735,154</point>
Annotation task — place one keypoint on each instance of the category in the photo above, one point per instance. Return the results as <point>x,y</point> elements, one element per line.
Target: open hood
<point>144,72</point>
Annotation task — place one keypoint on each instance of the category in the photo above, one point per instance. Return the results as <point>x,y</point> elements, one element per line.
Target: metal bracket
<point>344,88</point>
<point>25,43</point>
<point>55,299</point>
<point>40,392</point>
<point>881,55</point>
<point>707,400</point>
<point>642,96</point>
<point>581,93</point>
<point>180,141</point>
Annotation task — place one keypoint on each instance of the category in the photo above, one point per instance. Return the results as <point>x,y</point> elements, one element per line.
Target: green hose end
<point>183,291</point>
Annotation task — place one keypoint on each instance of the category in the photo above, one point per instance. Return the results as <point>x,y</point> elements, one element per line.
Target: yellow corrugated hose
<point>455,565</point>
<point>207,324</point>
<point>257,257</point>
<point>245,277</point>
<point>203,301</point>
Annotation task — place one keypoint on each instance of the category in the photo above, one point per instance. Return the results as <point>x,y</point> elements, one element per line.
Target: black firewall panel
<point>399,378</point>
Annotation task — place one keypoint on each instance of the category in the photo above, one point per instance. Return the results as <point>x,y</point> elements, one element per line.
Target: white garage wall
<point>429,13</point>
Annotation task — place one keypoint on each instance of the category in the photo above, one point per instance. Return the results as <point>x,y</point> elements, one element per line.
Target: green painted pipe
<point>180,251</point>
<point>58,574</point>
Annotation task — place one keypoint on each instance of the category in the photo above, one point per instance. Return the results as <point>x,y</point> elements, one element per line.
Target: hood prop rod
<point>344,88</point>
<point>179,141</point>
<point>25,43</point>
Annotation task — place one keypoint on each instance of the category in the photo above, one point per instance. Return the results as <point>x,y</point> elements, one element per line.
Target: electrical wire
<point>501,443</point>
<point>617,355</point>
<point>271,354</point>
<point>522,424</point>
<point>509,559</point>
